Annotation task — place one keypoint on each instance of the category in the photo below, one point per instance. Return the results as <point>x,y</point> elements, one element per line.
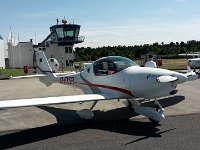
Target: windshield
<point>111,65</point>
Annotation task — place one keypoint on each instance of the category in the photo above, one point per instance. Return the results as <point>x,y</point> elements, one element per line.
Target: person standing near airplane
<point>150,63</point>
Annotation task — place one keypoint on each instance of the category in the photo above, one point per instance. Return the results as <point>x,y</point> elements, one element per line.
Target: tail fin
<point>42,62</point>
<point>44,67</point>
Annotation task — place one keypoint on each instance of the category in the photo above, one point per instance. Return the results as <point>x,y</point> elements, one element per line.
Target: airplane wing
<point>166,79</point>
<point>40,75</point>
<point>54,100</point>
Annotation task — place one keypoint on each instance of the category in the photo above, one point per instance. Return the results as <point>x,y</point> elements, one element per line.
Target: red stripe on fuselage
<point>110,87</point>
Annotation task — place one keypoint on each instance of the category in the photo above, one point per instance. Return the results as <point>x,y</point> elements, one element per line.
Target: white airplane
<point>108,78</point>
<point>193,62</point>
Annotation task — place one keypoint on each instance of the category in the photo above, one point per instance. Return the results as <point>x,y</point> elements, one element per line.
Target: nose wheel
<point>154,114</point>
<point>159,109</point>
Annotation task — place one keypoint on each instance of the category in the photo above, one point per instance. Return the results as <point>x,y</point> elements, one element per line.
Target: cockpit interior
<point>111,65</point>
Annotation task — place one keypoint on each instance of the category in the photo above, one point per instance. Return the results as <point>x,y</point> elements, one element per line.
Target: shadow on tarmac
<point>101,121</point>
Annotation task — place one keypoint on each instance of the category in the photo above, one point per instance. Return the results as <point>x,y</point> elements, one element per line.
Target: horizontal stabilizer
<point>54,100</point>
<point>28,76</point>
<point>166,79</point>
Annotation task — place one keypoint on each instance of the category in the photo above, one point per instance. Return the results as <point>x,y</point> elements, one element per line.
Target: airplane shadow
<point>64,116</point>
<point>101,121</point>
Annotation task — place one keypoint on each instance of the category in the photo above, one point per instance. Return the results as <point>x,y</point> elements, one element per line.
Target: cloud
<point>131,32</point>
<point>136,34</point>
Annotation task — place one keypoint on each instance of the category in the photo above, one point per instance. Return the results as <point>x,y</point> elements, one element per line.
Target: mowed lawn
<point>171,64</point>
<point>174,64</point>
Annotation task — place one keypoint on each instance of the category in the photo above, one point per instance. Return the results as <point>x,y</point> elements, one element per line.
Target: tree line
<point>170,50</point>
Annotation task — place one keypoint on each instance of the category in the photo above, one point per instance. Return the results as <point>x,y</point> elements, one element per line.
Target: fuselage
<point>133,81</point>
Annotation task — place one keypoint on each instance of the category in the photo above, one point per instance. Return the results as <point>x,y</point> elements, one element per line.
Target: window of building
<point>76,33</point>
<point>67,62</point>
<point>43,45</point>
<point>59,32</point>
<point>70,33</point>
<point>68,50</point>
<point>47,44</point>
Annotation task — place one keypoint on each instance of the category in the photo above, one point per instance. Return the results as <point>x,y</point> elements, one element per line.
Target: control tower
<point>60,42</point>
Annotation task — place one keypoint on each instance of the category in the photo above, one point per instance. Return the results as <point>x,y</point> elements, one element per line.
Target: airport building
<point>2,56</point>
<point>59,44</point>
<point>20,54</point>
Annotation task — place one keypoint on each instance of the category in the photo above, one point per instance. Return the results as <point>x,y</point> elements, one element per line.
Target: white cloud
<point>136,34</point>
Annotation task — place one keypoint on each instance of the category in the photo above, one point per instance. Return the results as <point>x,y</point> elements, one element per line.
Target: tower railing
<point>69,39</point>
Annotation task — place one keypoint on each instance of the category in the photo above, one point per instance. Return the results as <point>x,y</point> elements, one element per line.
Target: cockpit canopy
<point>111,65</point>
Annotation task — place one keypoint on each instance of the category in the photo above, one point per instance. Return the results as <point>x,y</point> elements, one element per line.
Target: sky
<point>104,22</point>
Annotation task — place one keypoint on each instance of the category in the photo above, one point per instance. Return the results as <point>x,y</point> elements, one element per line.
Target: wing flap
<point>54,100</point>
<point>166,79</point>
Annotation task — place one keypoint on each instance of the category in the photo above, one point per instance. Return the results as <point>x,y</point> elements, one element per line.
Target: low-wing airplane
<point>108,78</point>
<point>193,62</point>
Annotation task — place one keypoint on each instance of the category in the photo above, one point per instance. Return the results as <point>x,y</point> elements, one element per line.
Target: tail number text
<point>67,80</point>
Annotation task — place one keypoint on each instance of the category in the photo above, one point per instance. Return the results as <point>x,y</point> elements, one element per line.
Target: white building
<point>2,58</point>
<point>20,55</point>
<point>58,44</point>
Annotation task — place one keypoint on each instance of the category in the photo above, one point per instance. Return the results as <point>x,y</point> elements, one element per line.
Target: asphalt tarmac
<point>175,133</point>
<point>114,125</point>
